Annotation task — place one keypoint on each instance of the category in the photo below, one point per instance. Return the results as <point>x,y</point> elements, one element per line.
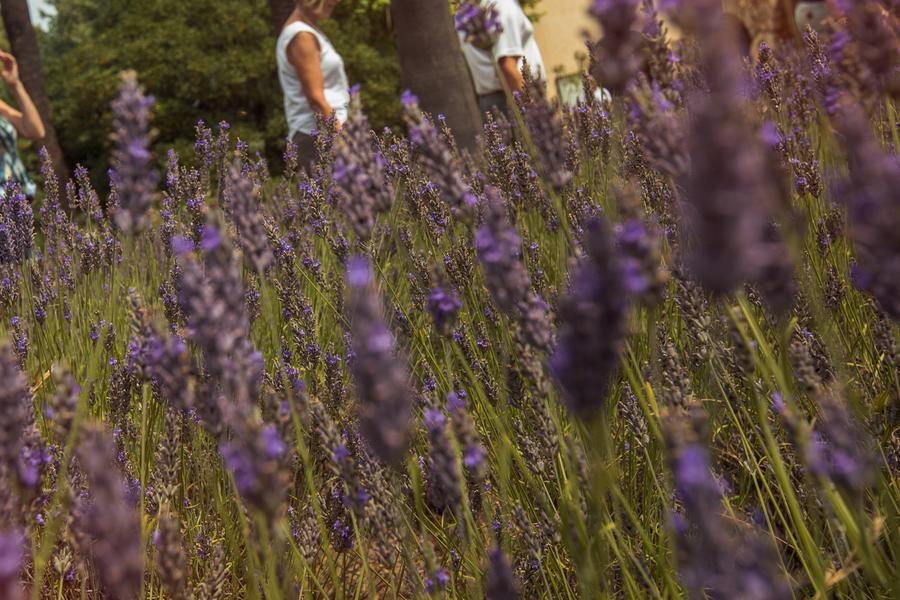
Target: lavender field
<point>645,348</point>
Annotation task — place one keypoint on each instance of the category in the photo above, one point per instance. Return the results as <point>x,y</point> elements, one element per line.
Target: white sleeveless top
<point>300,116</point>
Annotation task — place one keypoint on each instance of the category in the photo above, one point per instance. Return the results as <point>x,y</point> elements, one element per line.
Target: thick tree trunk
<point>281,10</point>
<point>433,65</point>
<point>23,41</point>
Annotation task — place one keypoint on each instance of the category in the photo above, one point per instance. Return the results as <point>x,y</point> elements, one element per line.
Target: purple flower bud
<point>242,207</point>
<point>499,251</point>
<point>106,519</point>
<point>500,579</point>
<point>839,450</point>
<point>443,307</point>
<point>874,211</point>
<point>12,549</point>
<point>715,557</point>
<point>380,370</point>
<point>617,56</point>
<point>593,324</point>
<point>133,177</point>
<point>479,24</point>
<point>362,184</point>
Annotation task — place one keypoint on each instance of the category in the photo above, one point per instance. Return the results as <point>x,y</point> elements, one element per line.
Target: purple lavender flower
<point>107,527</point>
<point>218,321</point>
<point>715,558</point>
<point>254,456</point>
<point>479,24</point>
<point>443,306</point>
<point>133,177</point>
<point>16,224</point>
<point>244,211</point>
<point>168,366</point>
<point>61,407</point>
<point>12,549</point>
<point>617,57</point>
<point>640,248</point>
<point>437,157</point>
<point>730,193</point>
<point>874,210</point>
<point>16,414</point>
<point>839,450</point>
<point>380,369</point>
<point>593,324</point>
<point>436,582</point>
<point>499,251</point>
<point>474,457</point>
<point>873,30</point>
<point>20,340</point>
<point>444,482</point>
<point>500,579</point>
<point>545,129</point>
<point>360,173</point>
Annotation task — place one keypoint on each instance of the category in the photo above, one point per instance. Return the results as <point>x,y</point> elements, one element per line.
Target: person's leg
<point>306,150</point>
<point>493,103</point>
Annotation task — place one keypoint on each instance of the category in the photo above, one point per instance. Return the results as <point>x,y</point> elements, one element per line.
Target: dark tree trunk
<point>281,10</point>
<point>433,65</point>
<point>23,41</point>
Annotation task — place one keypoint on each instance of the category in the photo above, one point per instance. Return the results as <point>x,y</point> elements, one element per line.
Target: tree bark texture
<point>433,66</point>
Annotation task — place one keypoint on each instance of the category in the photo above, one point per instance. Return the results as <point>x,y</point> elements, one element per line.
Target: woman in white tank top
<point>311,73</point>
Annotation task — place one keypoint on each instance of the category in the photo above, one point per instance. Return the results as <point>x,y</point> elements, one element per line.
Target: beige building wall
<point>561,24</point>
<point>559,30</point>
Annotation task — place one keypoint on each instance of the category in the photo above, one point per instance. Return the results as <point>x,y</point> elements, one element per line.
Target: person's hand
<point>10,72</point>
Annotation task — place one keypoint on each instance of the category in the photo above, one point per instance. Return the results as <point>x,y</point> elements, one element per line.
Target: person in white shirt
<point>311,73</point>
<point>515,45</point>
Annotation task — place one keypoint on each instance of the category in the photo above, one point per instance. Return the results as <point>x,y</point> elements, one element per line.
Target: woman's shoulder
<point>293,28</point>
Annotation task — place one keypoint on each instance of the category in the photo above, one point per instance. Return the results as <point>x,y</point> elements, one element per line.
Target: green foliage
<point>204,59</point>
<point>208,59</point>
<point>361,31</point>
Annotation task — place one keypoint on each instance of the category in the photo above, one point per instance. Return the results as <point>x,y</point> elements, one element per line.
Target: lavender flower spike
<point>874,206</point>
<point>254,456</point>
<point>617,57</point>
<point>839,450</point>
<point>437,157</point>
<point>500,580</point>
<point>479,24</point>
<point>593,324</point>
<point>715,558</point>
<point>730,194</point>
<point>15,411</point>
<point>444,480</point>
<point>243,209</point>
<point>360,173</point>
<point>381,372</point>
<point>107,527</point>
<point>12,547</point>
<point>132,176</point>
<point>499,251</point>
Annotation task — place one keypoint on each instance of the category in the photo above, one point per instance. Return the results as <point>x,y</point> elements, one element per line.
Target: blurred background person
<point>24,121</point>
<point>515,45</point>
<point>311,73</point>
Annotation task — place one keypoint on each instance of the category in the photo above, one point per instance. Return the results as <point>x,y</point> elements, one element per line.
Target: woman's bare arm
<point>26,120</point>
<point>509,68</point>
<point>304,55</point>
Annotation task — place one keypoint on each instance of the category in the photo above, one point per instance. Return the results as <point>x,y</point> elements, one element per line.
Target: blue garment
<point>11,167</point>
